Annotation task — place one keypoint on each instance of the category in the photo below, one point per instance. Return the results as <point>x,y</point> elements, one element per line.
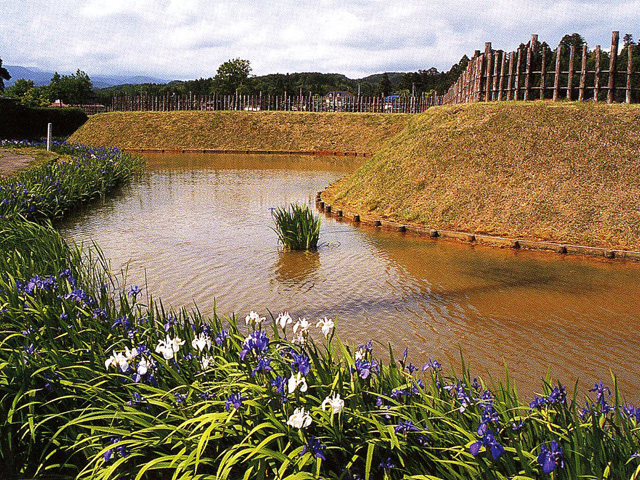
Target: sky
<point>187,39</point>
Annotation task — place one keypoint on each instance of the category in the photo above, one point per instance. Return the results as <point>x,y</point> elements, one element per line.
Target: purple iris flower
<point>631,411</point>
<point>387,464</point>
<point>31,350</point>
<point>405,426</point>
<point>459,390</point>
<point>221,337</point>
<point>256,342</point>
<point>124,321</point>
<point>301,363</point>
<point>550,458</point>
<point>557,395</point>
<point>399,392</point>
<point>364,368</point>
<point>263,366</point>
<point>79,296</point>
<point>234,400</point>
<point>537,403</point>
<point>280,384</point>
<point>315,447</point>
<point>120,450</point>
<point>490,442</point>
<point>602,394</point>
<point>433,365</point>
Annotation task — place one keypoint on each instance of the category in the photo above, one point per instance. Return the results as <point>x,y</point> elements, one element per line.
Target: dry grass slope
<point>296,131</point>
<point>564,172</point>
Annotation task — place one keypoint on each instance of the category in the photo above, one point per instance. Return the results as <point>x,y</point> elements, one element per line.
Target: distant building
<point>391,103</point>
<point>337,100</point>
<point>87,109</point>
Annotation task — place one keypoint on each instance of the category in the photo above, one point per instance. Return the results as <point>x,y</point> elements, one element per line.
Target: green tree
<point>71,89</point>
<point>575,39</point>
<point>231,76</point>
<point>4,75</point>
<point>384,86</point>
<point>19,88</point>
<point>28,94</point>
<point>627,39</point>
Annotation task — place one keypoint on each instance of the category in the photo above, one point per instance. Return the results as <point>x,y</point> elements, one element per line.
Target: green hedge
<point>19,122</point>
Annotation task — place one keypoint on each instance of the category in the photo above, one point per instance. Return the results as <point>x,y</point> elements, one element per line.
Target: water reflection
<point>198,228</point>
<point>297,269</point>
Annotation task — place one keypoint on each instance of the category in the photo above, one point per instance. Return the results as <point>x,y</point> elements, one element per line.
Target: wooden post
<point>572,54</point>
<point>476,76</point>
<point>613,57</point>
<point>629,70</point>
<point>596,85</point>
<point>494,88</point>
<point>487,71</point>
<point>583,74</point>
<point>478,86</point>
<point>469,91</point>
<point>510,82</point>
<point>527,76</point>
<point>556,81</point>
<point>502,74</point>
<point>543,73</point>
<point>530,56</point>
<point>516,95</point>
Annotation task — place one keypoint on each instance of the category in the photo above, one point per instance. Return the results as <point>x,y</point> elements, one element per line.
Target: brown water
<point>197,228</point>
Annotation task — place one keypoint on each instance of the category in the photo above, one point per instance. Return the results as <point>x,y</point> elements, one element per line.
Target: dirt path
<point>11,162</point>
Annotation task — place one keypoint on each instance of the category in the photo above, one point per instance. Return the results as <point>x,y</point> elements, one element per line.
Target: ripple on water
<point>198,229</point>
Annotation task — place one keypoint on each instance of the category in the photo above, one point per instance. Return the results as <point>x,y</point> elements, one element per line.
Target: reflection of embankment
<point>191,162</point>
<point>530,310</point>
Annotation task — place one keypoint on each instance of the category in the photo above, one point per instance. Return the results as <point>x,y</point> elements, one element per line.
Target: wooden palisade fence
<point>537,73</point>
<point>304,103</point>
<point>533,72</point>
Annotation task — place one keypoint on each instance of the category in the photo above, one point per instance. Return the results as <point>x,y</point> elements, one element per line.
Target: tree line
<point>234,76</point>
<point>76,89</point>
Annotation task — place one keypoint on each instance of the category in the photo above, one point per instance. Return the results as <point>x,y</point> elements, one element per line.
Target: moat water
<point>196,229</point>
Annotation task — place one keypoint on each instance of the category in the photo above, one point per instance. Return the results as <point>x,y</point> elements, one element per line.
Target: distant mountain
<point>38,76</point>
<point>41,77</point>
<point>102,81</point>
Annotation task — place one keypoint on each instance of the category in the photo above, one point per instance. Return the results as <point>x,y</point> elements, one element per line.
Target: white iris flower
<point>169,347</point>
<point>335,403</point>
<point>296,381</point>
<point>327,325</point>
<point>302,325</point>
<point>254,318</point>
<point>201,341</point>
<point>284,319</point>
<point>121,359</point>
<point>299,419</point>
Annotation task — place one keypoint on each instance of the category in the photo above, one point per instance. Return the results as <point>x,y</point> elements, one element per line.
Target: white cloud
<point>190,38</point>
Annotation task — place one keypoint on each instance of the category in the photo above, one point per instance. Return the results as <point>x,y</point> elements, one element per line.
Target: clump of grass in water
<point>297,227</point>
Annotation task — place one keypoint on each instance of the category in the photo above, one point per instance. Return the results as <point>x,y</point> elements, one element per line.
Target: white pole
<point>49,125</point>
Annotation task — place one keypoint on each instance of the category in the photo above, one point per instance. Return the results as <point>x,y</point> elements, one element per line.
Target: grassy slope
<point>567,172</point>
<point>362,133</point>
